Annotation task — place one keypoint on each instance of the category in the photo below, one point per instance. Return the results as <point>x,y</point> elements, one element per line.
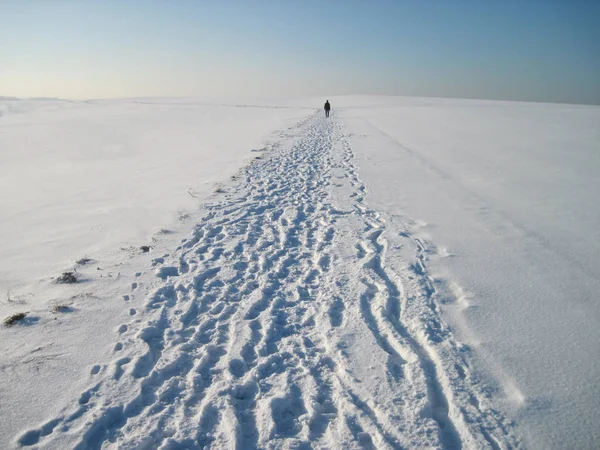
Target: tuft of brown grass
<point>11,320</point>
<point>67,278</point>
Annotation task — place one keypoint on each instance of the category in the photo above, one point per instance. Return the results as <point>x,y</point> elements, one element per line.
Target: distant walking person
<point>327,108</point>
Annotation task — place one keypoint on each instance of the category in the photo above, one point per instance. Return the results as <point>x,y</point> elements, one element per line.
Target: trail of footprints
<point>237,348</point>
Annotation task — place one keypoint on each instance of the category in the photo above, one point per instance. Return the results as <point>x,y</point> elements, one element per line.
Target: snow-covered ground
<point>508,193</point>
<point>85,180</point>
<point>411,273</point>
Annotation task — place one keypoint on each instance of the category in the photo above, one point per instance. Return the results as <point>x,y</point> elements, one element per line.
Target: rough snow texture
<point>346,290</point>
<point>508,193</point>
<point>98,179</point>
<point>279,323</point>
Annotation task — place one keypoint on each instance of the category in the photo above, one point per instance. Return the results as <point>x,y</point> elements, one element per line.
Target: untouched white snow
<point>411,273</point>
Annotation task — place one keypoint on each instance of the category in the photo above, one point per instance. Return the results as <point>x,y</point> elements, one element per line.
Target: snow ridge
<point>279,324</point>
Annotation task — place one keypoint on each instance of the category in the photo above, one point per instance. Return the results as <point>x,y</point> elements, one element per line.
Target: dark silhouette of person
<point>327,108</point>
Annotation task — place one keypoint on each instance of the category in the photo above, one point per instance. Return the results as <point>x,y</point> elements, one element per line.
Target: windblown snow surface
<point>409,273</point>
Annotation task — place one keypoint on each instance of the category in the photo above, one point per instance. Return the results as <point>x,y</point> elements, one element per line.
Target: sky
<point>531,50</point>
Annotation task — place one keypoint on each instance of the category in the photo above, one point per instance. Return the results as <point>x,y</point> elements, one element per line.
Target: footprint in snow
<point>166,272</point>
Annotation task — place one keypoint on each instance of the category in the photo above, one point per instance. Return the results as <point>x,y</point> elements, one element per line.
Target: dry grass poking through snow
<point>67,278</point>
<point>11,320</point>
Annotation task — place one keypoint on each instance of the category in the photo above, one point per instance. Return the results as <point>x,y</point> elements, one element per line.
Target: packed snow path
<point>280,324</point>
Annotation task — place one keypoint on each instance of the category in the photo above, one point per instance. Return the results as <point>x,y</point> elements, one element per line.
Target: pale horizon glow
<point>511,50</point>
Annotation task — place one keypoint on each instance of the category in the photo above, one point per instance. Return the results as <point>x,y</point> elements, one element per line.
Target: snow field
<point>278,323</point>
<point>102,178</point>
<point>411,273</point>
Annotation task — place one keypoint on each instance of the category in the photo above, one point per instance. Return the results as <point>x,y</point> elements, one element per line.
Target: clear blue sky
<point>540,50</point>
